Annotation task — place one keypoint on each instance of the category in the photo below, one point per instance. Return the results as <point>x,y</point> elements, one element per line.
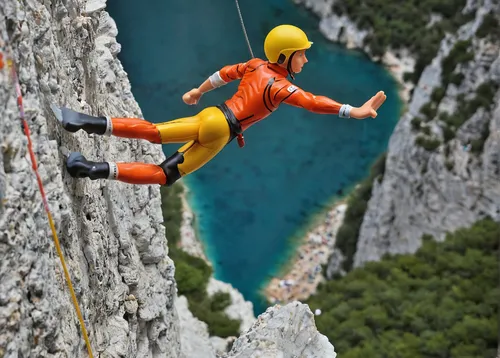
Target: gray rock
<point>419,194</point>
<point>111,233</point>
<point>195,340</point>
<point>283,332</point>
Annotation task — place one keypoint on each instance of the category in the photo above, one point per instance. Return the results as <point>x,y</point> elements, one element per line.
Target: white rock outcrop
<point>283,332</point>
<point>195,340</point>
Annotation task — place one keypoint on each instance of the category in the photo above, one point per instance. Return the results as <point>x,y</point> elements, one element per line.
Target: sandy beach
<point>397,65</point>
<point>304,274</point>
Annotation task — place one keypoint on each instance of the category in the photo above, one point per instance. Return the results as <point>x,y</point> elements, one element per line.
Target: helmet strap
<point>289,66</point>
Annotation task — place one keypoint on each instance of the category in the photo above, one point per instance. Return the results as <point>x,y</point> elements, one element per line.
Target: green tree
<point>443,301</point>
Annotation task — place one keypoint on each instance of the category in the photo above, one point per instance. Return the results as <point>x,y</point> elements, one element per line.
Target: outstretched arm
<point>220,78</point>
<point>317,104</point>
<point>324,105</point>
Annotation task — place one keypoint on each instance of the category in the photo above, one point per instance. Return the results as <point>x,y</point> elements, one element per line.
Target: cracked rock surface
<point>111,233</point>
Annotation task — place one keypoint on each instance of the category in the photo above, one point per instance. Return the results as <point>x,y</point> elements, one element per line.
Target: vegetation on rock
<point>441,302</point>
<point>192,273</point>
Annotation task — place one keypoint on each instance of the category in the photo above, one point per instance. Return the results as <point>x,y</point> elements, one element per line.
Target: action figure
<point>263,87</point>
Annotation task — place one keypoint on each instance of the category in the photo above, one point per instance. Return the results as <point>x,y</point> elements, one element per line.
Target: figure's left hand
<point>192,97</point>
<point>369,109</point>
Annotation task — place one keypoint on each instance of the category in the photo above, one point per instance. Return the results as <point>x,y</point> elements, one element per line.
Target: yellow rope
<point>70,285</point>
<point>10,64</point>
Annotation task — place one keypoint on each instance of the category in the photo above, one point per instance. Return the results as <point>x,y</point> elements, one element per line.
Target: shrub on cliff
<point>484,98</point>
<point>489,27</point>
<point>443,301</point>
<point>405,24</point>
<point>459,54</point>
<point>172,212</point>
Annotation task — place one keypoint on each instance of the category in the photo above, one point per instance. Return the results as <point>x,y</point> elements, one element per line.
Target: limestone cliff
<point>436,179</point>
<point>111,233</point>
<point>435,191</point>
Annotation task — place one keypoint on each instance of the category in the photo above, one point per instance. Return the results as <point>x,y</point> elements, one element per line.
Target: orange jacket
<point>263,87</point>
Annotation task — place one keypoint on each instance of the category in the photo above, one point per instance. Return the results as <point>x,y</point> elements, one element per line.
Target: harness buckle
<point>241,140</point>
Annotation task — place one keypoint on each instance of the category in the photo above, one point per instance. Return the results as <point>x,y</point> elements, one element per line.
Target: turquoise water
<point>249,202</point>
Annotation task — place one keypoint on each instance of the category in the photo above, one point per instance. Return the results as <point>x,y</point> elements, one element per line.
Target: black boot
<point>73,121</point>
<point>79,167</point>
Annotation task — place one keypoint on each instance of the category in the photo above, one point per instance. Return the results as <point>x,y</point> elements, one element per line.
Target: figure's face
<point>298,61</point>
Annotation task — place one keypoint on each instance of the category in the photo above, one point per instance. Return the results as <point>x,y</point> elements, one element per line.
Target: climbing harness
<point>11,66</point>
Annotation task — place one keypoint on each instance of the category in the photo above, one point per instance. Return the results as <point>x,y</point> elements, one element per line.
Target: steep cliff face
<point>449,185</point>
<point>111,233</point>
<point>443,162</point>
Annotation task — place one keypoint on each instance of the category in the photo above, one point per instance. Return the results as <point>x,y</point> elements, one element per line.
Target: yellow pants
<point>206,134</point>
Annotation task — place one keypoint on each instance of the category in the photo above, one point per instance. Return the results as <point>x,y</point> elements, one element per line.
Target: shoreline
<point>189,241</point>
<point>239,308</point>
<point>397,68</point>
<point>300,277</point>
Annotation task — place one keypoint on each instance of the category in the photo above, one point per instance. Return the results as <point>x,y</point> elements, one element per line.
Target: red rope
<point>10,64</point>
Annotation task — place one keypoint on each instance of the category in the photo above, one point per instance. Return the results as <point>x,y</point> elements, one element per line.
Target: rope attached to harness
<point>11,66</point>
<point>244,29</point>
<point>240,137</point>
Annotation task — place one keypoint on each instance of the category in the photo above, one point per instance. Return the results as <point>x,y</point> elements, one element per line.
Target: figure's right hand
<point>369,109</point>
<point>192,97</point>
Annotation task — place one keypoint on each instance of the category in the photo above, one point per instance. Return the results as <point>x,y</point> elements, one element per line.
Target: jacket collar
<point>277,68</point>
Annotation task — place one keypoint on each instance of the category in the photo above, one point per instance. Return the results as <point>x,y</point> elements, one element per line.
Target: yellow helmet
<point>282,41</point>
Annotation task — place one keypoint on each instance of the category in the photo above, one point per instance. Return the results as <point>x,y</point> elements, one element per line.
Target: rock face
<point>419,193</point>
<point>111,233</point>
<point>194,336</point>
<point>287,331</point>
<point>335,28</point>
